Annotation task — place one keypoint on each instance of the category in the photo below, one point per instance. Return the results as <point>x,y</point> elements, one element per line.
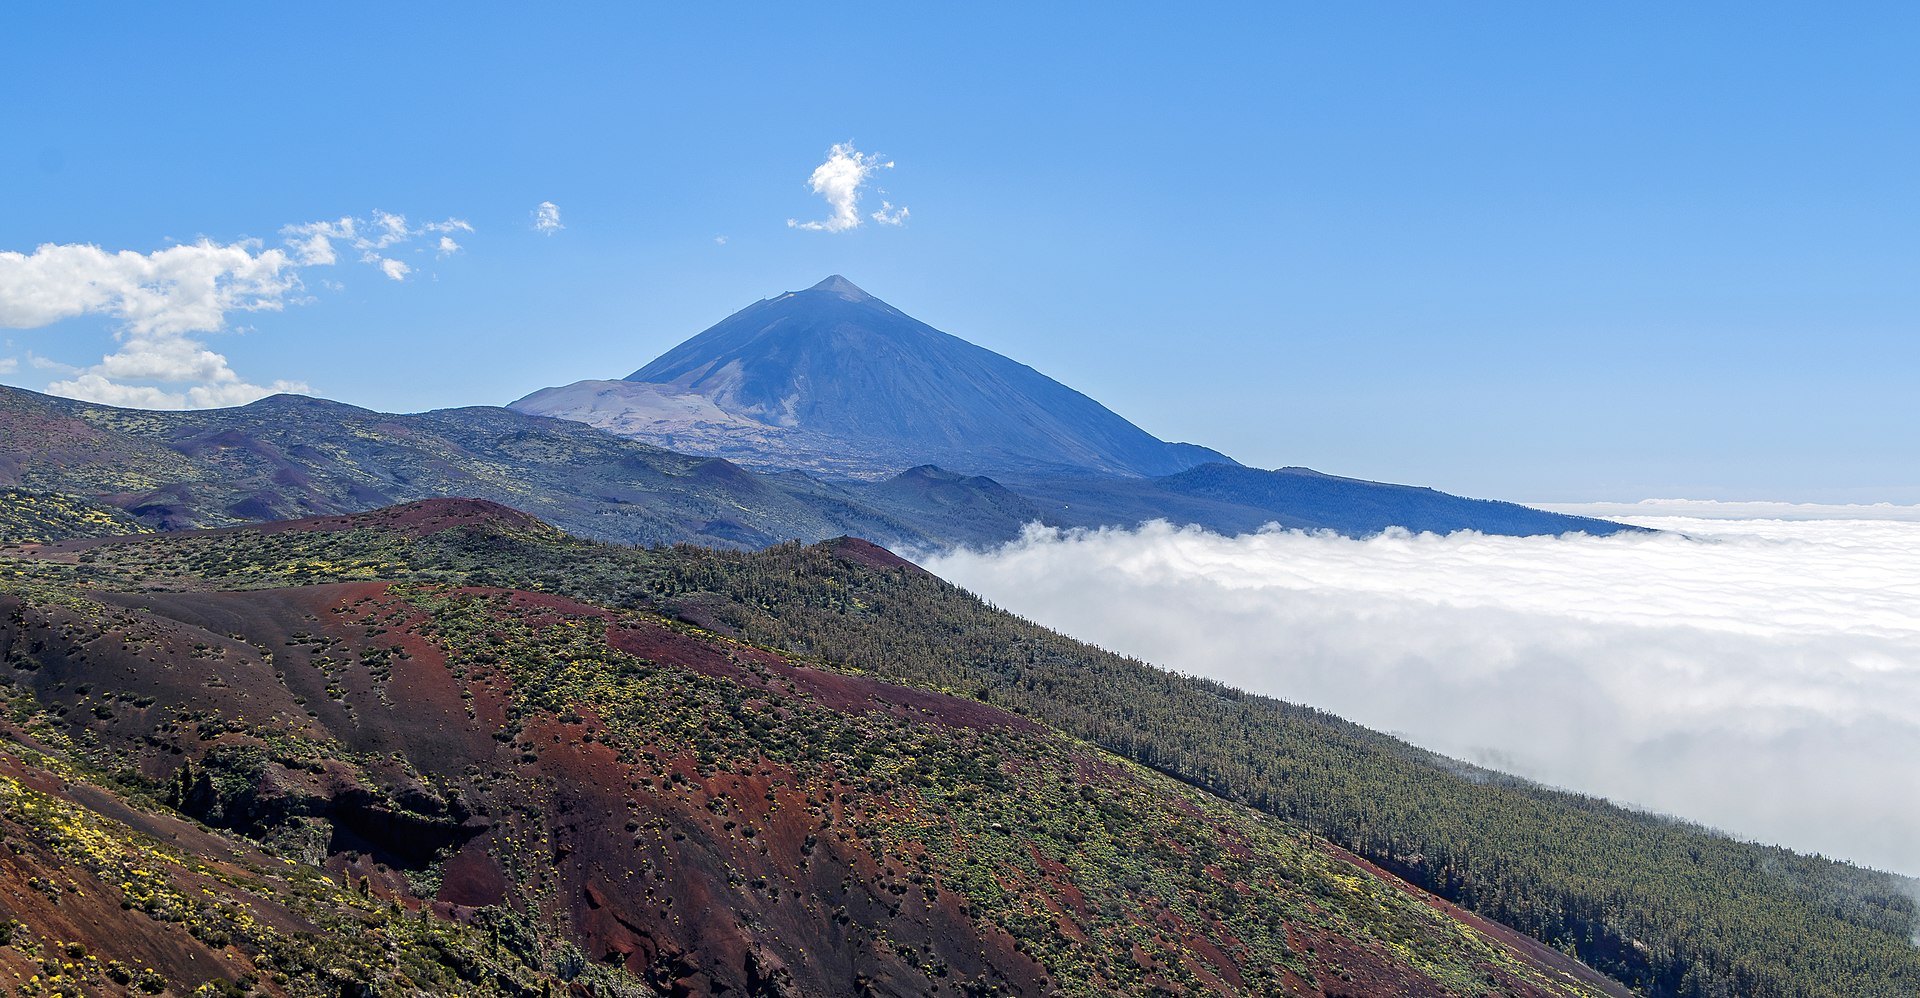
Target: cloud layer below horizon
<point>1758,675</point>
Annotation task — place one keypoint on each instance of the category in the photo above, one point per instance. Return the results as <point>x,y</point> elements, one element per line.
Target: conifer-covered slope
<point>384,754</point>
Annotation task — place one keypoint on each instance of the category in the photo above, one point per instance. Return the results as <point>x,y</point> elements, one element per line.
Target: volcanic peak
<point>841,286</point>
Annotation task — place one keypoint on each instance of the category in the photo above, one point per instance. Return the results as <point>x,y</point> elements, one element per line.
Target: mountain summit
<point>842,287</point>
<point>832,379</point>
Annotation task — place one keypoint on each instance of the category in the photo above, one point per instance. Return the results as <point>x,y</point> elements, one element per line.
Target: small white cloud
<point>839,181</point>
<point>394,269</point>
<point>312,244</point>
<point>8,365</point>
<point>719,240</point>
<point>448,247</point>
<point>202,378</point>
<point>40,363</point>
<point>546,218</point>
<point>96,388</point>
<point>164,358</point>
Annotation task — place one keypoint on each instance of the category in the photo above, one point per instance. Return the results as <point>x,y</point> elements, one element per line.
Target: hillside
<point>1667,907</point>
<point>407,768</point>
<point>292,456</point>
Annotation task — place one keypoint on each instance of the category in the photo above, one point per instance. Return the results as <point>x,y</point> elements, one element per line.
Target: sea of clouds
<point>1753,667</point>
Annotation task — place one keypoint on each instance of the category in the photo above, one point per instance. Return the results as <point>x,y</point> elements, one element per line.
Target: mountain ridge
<point>293,456</point>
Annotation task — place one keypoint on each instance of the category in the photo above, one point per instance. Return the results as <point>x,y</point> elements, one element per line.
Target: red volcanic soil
<point>68,909</point>
<point>416,519</point>
<point>427,516</point>
<point>840,691</point>
<point>869,554</point>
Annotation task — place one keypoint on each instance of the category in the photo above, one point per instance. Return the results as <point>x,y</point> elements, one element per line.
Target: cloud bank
<point>839,180</point>
<point>164,301</point>
<point>1758,675</point>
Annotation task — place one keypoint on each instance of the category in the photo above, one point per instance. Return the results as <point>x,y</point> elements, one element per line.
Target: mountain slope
<point>1233,499</point>
<point>524,789</point>
<point>833,379</point>
<point>292,456</point>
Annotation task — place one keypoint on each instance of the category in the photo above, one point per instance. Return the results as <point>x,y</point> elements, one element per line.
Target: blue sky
<point>1518,250</point>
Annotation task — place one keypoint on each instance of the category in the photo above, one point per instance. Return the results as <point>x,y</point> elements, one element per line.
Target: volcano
<point>836,381</point>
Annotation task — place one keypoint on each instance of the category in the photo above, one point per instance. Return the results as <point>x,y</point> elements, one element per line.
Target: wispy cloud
<point>546,218</point>
<point>1762,676</point>
<point>839,180</point>
<point>313,243</point>
<point>164,301</point>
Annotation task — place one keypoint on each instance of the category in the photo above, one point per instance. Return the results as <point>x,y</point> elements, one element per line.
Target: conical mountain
<point>833,379</point>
